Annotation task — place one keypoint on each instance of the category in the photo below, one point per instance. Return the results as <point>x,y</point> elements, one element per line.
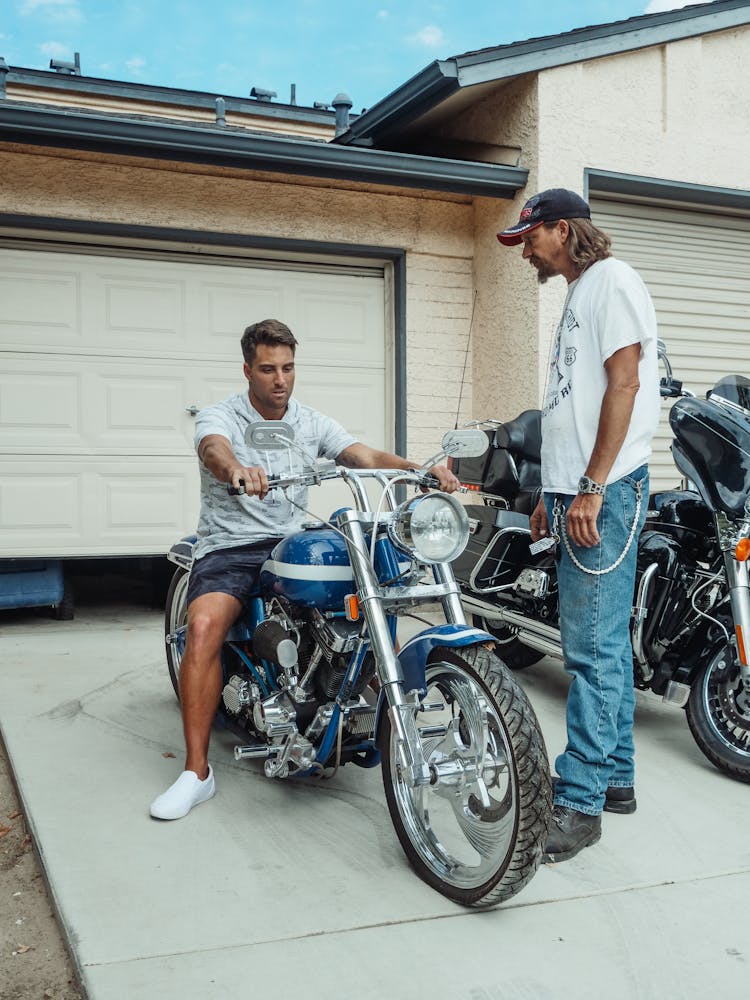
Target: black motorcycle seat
<point>522,436</point>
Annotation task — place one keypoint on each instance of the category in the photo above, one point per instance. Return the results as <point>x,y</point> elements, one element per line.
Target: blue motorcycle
<point>314,678</point>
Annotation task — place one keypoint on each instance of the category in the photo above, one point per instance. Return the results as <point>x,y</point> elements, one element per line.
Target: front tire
<point>175,625</point>
<point>718,713</point>
<point>477,832</point>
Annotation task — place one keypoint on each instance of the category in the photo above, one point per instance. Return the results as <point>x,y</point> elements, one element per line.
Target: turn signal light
<point>351,607</point>
<point>742,550</point>
<point>741,649</point>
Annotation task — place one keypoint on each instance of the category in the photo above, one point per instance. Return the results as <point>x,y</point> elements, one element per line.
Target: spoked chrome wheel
<point>175,624</point>
<point>718,713</point>
<point>476,832</point>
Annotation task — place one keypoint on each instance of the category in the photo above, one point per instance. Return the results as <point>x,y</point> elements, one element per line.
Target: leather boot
<point>570,831</point>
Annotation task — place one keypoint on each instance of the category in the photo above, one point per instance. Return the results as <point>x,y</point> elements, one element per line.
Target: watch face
<point>587,485</point>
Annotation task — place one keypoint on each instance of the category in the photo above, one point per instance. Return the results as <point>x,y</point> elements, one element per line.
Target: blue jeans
<point>595,629</point>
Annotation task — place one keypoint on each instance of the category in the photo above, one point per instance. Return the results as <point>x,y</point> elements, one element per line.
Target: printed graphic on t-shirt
<point>560,384</point>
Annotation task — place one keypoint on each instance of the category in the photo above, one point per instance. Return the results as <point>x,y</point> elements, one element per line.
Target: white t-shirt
<point>606,309</point>
<point>226,521</point>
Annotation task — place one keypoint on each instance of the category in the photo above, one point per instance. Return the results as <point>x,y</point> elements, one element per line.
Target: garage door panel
<point>39,409</point>
<point>358,405</point>
<point>229,309</point>
<point>104,355</point>
<point>41,500</point>
<point>135,312</point>
<point>345,327</point>
<point>86,507</point>
<point>40,303</point>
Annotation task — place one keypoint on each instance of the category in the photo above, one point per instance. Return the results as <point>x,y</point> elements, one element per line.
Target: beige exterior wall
<point>676,112</point>
<point>435,231</point>
<point>504,336</point>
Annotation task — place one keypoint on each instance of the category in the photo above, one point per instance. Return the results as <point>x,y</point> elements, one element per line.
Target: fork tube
<point>400,711</point>
<point>739,596</point>
<point>454,612</point>
<point>369,597</point>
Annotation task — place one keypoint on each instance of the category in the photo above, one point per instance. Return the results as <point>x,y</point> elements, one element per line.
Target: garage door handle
<point>192,410</point>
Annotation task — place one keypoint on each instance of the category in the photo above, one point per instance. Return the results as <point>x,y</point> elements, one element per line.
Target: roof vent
<point>342,105</point>
<point>262,95</point>
<point>66,67</point>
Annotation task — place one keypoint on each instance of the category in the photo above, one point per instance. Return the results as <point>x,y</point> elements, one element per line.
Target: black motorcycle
<point>690,624</point>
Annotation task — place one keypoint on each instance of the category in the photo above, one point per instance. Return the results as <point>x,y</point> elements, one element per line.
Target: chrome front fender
<point>415,653</point>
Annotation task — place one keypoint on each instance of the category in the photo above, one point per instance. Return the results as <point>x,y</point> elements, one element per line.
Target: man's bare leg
<point>209,619</point>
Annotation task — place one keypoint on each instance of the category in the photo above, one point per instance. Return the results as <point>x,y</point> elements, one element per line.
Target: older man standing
<point>599,414</point>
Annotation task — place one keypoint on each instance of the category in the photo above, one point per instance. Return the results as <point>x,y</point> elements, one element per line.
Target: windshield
<point>732,390</point>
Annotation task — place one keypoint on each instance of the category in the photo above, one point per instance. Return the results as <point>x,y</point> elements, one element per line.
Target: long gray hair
<point>586,243</point>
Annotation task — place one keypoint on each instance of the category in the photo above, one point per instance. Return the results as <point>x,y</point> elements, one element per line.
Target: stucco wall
<point>436,233</point>
<point>676,112</point>
<point>506,320</point>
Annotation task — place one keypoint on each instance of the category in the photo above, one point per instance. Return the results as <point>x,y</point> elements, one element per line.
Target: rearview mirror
<point>269,435</point>
<point>468,442</point>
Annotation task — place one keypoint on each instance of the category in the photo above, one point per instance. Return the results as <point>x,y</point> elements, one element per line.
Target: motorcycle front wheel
<point>175,625</point>
<point>718,713</point>
<point>476,832</point>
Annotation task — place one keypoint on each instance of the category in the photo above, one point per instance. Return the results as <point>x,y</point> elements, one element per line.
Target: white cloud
<point>56,50</point>
<point>383,14</point>
<point>136,65</point>
<point>430,36</point>
<point>658,6</point>
<point>53,10</point>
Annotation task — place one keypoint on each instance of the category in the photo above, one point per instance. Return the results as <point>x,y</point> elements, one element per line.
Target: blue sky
<point>226,47</point>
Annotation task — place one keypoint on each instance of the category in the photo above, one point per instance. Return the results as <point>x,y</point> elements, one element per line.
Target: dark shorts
<point>232,571</point>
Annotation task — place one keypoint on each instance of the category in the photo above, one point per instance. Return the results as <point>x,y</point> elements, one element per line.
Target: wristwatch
<point>586,485</point>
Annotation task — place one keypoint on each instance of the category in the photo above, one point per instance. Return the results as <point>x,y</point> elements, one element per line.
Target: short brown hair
<point>272,332</point>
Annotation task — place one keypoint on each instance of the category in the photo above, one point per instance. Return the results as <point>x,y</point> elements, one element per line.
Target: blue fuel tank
<point>310,568</point>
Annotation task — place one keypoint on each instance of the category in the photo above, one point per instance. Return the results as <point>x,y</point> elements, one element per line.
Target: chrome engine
<point>292,719</point>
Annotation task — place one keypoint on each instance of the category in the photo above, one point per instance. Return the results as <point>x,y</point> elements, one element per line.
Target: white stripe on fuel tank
<point>292,571</point>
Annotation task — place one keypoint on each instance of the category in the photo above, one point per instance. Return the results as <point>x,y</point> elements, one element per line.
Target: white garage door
<point>104,354</point>
<point>697,268</point>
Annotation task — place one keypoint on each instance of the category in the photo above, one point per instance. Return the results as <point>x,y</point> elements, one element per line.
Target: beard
<point>543,271</point>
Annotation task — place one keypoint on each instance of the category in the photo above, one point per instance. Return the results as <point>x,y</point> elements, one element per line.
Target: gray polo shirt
<point>226,521</point>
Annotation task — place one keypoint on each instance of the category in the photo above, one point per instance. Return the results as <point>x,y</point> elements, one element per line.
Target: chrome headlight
<point>433,527</point>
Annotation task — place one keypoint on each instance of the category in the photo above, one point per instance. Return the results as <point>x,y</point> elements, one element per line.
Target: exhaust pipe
<point>537,635</point>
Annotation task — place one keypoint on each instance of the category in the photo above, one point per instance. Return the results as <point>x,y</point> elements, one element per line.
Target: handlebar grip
<point>238,491</point>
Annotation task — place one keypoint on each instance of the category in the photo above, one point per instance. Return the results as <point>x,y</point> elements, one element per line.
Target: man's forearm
<point>216,454</point>
<point>614,420</point>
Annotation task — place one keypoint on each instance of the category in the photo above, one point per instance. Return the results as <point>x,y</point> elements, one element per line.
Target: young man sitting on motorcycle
<point>236,534</point>
<point>599,414</point>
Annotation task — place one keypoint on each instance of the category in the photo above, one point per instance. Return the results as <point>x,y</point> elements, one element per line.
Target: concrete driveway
<point>274,890</point>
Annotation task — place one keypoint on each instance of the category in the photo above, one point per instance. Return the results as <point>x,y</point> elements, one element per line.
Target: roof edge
<point>230,147</point>
<point>420,93</point>
<point>153,93</point>
<point>424,91</point>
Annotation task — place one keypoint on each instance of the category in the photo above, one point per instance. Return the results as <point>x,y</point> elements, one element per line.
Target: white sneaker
<point>186,792</point>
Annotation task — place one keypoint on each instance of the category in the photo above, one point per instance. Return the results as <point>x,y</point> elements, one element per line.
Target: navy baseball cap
<point>547,206</point>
